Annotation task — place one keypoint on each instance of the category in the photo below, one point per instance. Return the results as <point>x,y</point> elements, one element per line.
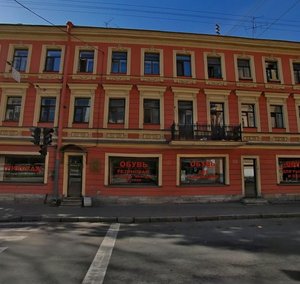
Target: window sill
<point>216,78</point>
<point>246,79</point>
<point>275,81</point>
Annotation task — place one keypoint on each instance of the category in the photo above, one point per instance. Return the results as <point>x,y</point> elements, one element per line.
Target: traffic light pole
<point>61,115</point>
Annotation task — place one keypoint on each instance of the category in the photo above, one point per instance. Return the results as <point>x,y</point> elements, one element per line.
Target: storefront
<point>22,169</point>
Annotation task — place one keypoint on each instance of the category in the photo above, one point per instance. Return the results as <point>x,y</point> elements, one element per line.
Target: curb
<point>131,220</point>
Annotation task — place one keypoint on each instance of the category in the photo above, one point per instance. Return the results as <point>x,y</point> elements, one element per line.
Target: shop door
<point>75,176</point>
<point>250,180</point>
<point>185,119</point>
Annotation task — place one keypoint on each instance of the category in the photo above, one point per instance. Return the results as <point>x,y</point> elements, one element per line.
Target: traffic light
<point>36,134</point>
<point>218,29</point>
<point>47,134</point>
<point>43,150</point>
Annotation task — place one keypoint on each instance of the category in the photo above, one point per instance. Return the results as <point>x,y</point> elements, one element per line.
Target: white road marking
<point>12,238</point>
<point>2,249</point>
<point>97,270</point>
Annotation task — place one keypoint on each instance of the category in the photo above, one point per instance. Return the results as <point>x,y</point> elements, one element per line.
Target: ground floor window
<point>130,170</point>
<point>201,171</point>
<point>27,169</point>
<point>289,170</point>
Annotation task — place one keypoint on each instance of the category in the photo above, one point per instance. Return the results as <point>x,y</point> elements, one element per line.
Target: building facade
<point>148,114</point>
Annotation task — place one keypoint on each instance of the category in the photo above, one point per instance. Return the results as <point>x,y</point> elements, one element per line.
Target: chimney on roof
<point>69,26</point>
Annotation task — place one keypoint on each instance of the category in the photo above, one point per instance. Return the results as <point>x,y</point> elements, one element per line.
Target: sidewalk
<point>14,212</point>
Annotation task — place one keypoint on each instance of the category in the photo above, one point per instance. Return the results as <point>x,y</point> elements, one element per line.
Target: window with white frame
<point>82,110</point>
<point>13,108</point>
<point>86,61</point>
<point>296,71</point>
<point>53,60</point>
<point>276,113</point>
<point>20,59</point>
<point>152,111</point>
<point>217,115</point>
<point>119,62</point>
<point>248,115</point>
<point>272,71</point>
<point>47,112</point>
<point>116,111</point>
<point>244,68</point>
<point>151,63</point>
<point>214,67</point>
<point>183,65</point>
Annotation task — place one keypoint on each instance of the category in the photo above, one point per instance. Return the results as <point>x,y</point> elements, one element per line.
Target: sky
<point>269,19</point>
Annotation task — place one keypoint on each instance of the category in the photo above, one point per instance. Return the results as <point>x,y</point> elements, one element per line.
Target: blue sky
<point>271,19</point>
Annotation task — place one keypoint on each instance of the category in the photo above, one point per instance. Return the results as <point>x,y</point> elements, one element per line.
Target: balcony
<point>201,132</point>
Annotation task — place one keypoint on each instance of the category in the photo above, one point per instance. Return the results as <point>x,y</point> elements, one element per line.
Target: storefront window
<point>129,171</point>
<point>199,171</point>
<point>289,170</point>
<point>27,169</point>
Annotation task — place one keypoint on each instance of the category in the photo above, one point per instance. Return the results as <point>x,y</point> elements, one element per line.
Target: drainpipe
<point>61,114</point>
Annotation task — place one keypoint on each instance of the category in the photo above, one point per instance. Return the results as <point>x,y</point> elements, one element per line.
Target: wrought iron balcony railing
<point>202,132</point>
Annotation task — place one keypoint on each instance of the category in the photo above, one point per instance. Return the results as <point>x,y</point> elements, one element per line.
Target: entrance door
<point>75,176</point>
<point>250,180</point>
<point>185,119</point>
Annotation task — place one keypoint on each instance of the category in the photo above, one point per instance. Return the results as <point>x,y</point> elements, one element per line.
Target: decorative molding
<point>10,132</point>
<point>248,84</point>
<point>116,135</point>
<point>117,78</point>
<point>215,83</point>
<point>79,134</point>
<point>84,77</point>
<point>50,76</point>
<point>152,79</point>
<point>185,81</point>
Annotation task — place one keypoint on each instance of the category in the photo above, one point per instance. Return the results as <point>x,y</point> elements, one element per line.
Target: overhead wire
<point>189,16</point>
<point>281,15</point>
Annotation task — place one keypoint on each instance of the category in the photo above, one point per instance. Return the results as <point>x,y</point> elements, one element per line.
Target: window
<point>296,69</point>
<point>202,171</point>
<point>130,171</point>
<point>119,62</point>
<point>22,169</point>
<point>289,170</point>
<point>52,60</point>
<point>183,64</point>
<point>13,108</point>
<point>151,111</point>
<point>47,113</point>
<point>217,114</point>
<point>116,112</point>
<point>272,71</point>
<point>248,115</point>
<point>20,59</point>
<point>244,68</point>
<point>214,67</point>
<point>276,116</point>
<point>81,110</point>
<point>86,61</point>
<point>151,63</point>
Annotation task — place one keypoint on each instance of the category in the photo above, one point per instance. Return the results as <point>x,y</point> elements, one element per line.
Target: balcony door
<point>185,119</point>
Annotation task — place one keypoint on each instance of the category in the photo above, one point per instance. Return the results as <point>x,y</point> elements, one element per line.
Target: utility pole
<point>61,114</point>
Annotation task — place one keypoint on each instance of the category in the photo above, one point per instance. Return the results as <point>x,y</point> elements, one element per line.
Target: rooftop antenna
<point>107,23</point>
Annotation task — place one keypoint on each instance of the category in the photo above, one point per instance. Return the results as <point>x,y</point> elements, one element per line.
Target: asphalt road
<point>238,251</point>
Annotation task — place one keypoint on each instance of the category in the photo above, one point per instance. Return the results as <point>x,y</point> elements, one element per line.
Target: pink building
<point>143,115</point>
